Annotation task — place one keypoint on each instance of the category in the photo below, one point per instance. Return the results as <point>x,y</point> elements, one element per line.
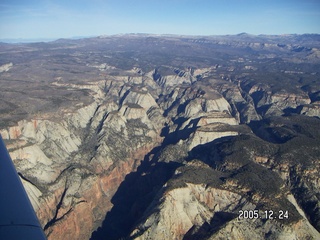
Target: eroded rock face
<point>184,208</point>
<point>139,146</point>
<point>187,209</point>
<point>75,166</point>
<point>207,134</point>
<point>311,110</point>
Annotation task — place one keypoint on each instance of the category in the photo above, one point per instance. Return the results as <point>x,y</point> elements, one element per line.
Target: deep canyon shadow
<point>139,189</point>
<point>133,197</point>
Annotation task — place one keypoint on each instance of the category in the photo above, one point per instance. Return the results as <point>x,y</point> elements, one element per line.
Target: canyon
<point>143,136</point>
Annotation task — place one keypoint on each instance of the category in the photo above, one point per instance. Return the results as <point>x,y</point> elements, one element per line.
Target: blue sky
<point>68,18</point>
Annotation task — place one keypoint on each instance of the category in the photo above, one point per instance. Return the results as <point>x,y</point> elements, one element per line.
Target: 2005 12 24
<point>267,214</point>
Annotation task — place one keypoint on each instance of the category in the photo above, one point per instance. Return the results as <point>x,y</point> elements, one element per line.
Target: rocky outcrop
<point>180,77</point>
<point>274,102</point>
<point>140,97</point>
<point>185,208</point>
<point>312,110</point>
<point>242,107</point>
<point>6,67</point>
<point>209,133</point>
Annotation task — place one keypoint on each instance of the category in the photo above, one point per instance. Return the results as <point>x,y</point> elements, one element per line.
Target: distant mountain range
<point>34,40</point>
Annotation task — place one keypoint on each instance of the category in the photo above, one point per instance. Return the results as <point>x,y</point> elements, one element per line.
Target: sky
<point>32,19</point>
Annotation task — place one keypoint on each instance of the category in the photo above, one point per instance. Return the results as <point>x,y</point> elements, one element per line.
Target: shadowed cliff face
<point>145,137</point>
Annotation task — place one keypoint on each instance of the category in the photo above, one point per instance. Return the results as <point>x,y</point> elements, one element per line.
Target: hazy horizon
<point>50,19</point>
<point>36,40</point>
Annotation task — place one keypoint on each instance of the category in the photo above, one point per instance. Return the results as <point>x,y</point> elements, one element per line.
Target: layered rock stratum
<point>167,137</point>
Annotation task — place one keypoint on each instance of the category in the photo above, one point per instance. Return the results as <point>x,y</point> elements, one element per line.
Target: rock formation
<point>167,144</point>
